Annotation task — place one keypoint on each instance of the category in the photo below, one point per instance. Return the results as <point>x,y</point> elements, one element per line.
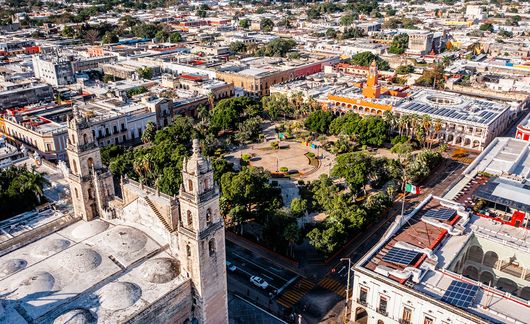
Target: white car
<point>258,281</point>
<point>231,267</point>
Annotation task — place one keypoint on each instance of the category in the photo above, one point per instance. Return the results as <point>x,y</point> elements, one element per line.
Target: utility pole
<point>347,289</point>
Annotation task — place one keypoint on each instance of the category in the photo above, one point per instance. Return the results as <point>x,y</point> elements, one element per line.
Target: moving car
<point>230,266</point>
<point>258,281</point>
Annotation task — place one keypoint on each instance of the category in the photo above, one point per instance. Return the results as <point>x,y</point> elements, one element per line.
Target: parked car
<point>258,281</point>
<point>230,266</point>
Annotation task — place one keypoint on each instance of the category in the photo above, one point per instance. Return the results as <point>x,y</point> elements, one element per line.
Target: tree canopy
<point>369,130</point>
<point>319,121</point>
<point>366,58</point>
<point>21,190</point>
<point>400,43</point>
<point>276,47</point>
<point>228,113</point>
<point>266,25</point>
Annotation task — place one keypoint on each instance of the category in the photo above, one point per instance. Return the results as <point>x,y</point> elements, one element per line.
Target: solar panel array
<point>460,294</point>
<point>400,256</point>
<point>478,111</point>
<point>441,214</point>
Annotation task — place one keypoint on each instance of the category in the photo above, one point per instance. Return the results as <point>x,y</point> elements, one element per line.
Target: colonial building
<point>465,121</point>
<point>461,258</point>
<point>257,75</point>
<point>141,257</point>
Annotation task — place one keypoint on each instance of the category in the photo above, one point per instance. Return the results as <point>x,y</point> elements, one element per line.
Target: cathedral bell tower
<point>91,185</point>
<point>372,88</point>
<point>201,239</point>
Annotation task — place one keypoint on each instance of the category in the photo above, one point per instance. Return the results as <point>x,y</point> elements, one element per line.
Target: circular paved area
<point>291,155</point>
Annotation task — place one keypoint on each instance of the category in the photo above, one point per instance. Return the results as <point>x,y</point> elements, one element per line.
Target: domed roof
<point>11,266</point>
<point>197,163</point>
<point>119,295</point>
<point>50,247</point>
<point>81,259</point>
<point>76,316</point>
<point>160,270</point>
<point>126,239</point>
<point>40,281</point>
<point>88,229</point>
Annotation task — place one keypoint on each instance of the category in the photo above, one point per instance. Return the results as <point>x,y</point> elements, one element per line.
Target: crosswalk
<point>336,286</point>
<point>465,160</point>
<point>293,295</point>
<point>299,289</point>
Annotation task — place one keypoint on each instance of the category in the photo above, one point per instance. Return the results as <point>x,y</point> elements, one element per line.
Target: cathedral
<point>140,257</point>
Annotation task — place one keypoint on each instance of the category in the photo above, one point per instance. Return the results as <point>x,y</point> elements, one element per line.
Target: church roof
<point>93,271</point>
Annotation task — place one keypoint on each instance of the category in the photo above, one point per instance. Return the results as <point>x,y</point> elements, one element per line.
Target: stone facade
<point>91,184</point>
<point>190,226</point>
<point>202,239</point>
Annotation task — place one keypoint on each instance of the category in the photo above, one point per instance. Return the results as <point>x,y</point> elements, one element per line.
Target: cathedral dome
<point>197,163</point>
<point>125,239</point>
<point>50,247</point>
<point>160,270</point>
<point>119,295</point>
<point>11,266</point>
<point>36,282</point>
<point>89,229</point>
<point>76,316</point>
<point>81,259</point>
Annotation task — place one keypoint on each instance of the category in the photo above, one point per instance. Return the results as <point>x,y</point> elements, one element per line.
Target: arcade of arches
<point>503,271</point>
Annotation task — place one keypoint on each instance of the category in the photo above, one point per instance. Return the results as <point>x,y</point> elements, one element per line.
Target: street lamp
<point>347,288</point>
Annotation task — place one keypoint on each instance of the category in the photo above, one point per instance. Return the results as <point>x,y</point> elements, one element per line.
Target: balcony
<point>362,302</point>
<point>382,311</point>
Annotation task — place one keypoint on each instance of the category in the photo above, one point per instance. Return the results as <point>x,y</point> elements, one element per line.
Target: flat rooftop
<point>436,246</point>
<point>503,156</point>
<point>453,107</point>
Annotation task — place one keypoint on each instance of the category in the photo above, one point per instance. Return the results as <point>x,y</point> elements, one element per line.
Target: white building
<point>466,121</point>
<point>55,71</point>
<point>475,12</point>
<point>455,259</point>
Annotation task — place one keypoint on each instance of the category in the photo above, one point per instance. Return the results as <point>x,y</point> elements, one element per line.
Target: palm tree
<point>437,127</point>
<point>203,113</point>
<point>390,119</point>
<point>290,233</point>
<point>426,124</point>
<point>312,105</point>
<point>211,99</point>
<point>297,101</point>
<point>415,125</point>
<point>406,120</point>
<point>34,182</point>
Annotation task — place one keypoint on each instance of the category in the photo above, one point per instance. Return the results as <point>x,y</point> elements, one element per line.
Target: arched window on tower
<point>76,193</point>
<point>74,165</point>
<point>85,139</point>
<point>90,163</point>
<point>90,194</point>
<point>208,216</point>
<point>206,184</point>
<point>190,219</point>
<point>73,139</point>
<point>188,250</point>
<point>190,185</point>
<point>211,247</point>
